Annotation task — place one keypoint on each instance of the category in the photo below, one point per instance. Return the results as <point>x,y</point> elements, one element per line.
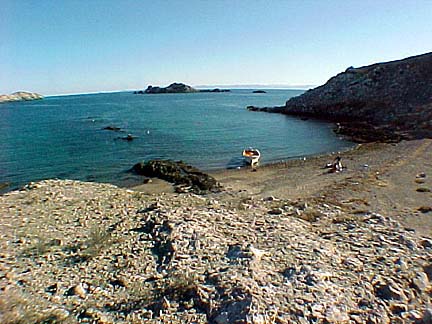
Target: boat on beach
<point>251,155</point>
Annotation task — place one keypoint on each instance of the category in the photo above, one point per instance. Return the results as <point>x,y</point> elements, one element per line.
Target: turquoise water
<point>62,137</point>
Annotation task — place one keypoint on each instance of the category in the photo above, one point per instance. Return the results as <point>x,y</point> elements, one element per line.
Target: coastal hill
<point>384,101</point>
<point>20,96</point>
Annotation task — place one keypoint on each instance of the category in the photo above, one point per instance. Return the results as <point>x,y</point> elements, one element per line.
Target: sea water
<point>63,136</point>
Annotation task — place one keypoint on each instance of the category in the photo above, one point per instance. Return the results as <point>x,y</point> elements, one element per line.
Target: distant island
<point>176,88</point>
<point>259,91</point>
<point>20,96</point>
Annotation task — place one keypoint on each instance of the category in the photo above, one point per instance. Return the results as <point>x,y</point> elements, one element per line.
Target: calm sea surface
<point>62,137</point>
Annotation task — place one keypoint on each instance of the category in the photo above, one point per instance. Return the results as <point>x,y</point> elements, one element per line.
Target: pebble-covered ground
<point>94,253</point>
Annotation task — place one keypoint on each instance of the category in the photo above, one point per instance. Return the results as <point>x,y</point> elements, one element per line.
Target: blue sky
<point>56,47</point>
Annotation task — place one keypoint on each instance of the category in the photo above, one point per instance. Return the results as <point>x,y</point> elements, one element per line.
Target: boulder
<point>172,88</point>
<point>179,173</point>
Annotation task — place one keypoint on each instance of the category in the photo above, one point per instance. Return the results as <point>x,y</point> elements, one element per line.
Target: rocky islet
<point>20,96</point>
<point>177,88</point>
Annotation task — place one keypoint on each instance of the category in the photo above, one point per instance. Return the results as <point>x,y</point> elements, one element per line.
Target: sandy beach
<point>378,176</point>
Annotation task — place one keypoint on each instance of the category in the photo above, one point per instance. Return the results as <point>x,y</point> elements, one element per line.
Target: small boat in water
<point>251,156</point>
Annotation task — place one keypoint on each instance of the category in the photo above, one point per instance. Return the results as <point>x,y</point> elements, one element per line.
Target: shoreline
<point>378,172</point>
<point>226,172</point>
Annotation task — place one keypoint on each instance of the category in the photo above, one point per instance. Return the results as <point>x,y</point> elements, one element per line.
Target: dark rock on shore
<point>172,88</point>
<point>380,102</point>
<point>215,90</point>
<point>20,96</point>
<point>179,173</point>
<point>259,91</point>
<point>138,92</point>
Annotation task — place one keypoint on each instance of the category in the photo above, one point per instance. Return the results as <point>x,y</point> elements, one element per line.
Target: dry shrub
<point>98,239</point>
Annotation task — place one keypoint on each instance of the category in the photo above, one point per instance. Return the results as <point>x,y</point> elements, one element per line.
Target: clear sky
<point>62,46</point>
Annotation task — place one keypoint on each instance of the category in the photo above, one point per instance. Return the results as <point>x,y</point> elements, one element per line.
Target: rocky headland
<point>384,101</point>
<point>20,96</point>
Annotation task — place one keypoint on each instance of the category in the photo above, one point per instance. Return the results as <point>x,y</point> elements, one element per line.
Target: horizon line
<point>235,86</point>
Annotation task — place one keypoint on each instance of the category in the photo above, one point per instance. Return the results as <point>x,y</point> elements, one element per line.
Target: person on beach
<point>336,166</point>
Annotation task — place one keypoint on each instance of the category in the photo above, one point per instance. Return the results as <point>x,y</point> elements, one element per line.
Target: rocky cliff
<point>20,96</point>
<point>384,101</point>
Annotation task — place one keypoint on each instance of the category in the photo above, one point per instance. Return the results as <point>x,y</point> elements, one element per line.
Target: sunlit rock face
<point>20,96</point>
<point>395,97</point>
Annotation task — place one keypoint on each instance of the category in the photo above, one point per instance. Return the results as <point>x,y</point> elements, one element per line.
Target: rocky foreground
<point>385,101</point>
<point>20,96</point>
<point>94,253</point>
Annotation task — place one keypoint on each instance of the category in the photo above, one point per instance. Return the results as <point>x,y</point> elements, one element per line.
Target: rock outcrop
<point>215,90</point>
<point>20,96</point>
<point>184,176</point>
<point>384,101</point>
<point>172,88</point>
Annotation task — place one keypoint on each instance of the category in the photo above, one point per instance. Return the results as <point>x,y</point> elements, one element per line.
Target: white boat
<point>251,156</point>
